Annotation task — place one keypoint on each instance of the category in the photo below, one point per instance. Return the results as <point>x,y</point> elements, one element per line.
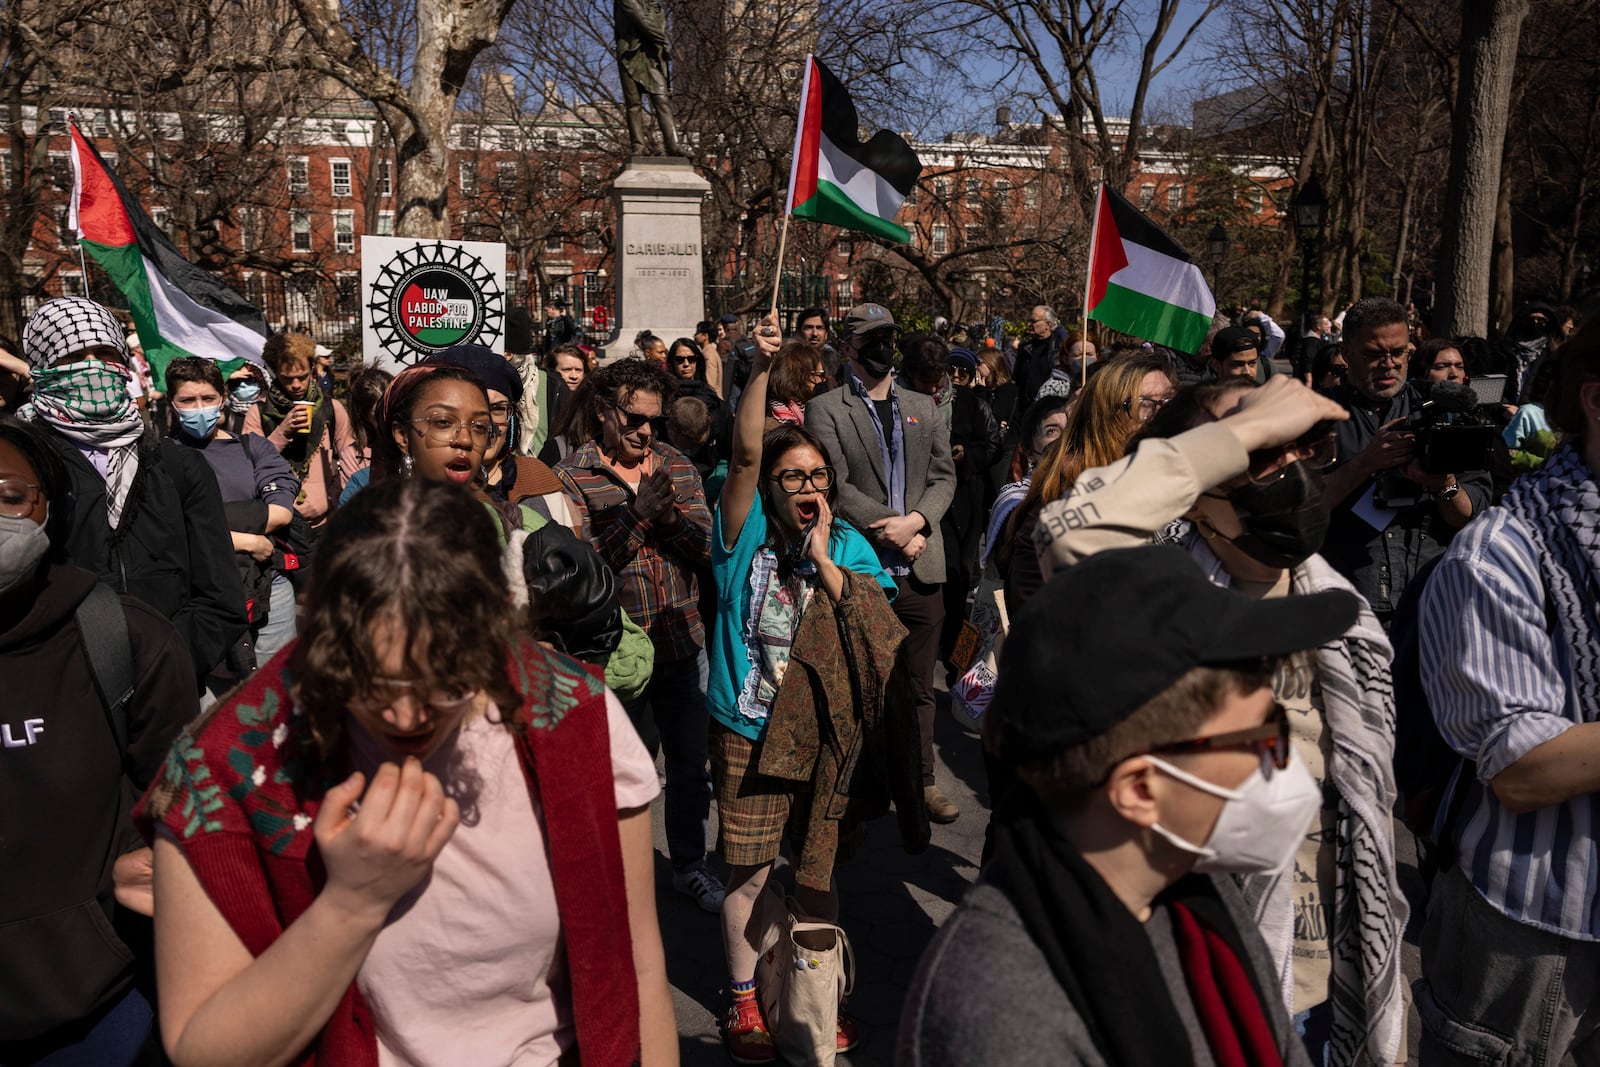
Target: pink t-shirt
<point>470,967</point>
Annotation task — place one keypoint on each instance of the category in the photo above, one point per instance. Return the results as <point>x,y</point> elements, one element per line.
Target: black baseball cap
<point>1233,339</point>
<point>1106,636</point>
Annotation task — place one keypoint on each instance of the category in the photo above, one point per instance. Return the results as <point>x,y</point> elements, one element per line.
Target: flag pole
<point>72,127</point>
<point>777,273</point>
<point>1088,277</point>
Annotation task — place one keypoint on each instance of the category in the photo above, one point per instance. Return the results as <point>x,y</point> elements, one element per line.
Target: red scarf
<point>1223,995</point>
<point>252,848</point>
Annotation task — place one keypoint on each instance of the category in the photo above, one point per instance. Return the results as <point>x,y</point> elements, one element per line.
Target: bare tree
<point>1490,30</point>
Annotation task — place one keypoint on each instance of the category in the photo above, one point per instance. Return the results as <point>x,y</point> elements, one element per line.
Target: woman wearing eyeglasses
<point>1104,415</point>
<point>1242,464</point>
<point>424,838</point>
<point>795,586</point>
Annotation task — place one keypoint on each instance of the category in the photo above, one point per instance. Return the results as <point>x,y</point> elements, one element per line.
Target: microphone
<point>1453,397</point>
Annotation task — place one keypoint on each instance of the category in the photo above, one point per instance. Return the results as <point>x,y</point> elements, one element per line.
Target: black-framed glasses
<point>793,480</point>
<point>633,420</point>
<point>444,429</point>
<point>1270,739</point>
<point>18,498</point>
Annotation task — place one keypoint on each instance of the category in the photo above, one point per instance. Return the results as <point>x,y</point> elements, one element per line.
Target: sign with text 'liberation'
<point>422,296</point>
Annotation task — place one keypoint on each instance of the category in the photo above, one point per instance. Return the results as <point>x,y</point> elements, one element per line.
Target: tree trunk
<point>1502,264</point>
<point>1408,197</point>
<point>1490,30</point>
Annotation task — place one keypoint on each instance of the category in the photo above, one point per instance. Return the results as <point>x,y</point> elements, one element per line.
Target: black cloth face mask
<point>876,357</point>
<point>1285,519</point>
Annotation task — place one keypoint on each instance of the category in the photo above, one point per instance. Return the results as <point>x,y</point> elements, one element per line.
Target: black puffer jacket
<point>65,796</point>
<point>173,550</point>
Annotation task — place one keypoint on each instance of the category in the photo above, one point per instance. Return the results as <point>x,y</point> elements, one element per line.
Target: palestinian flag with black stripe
<point>835,178</point>
<point>1142,282</point>
<point>178,308</point>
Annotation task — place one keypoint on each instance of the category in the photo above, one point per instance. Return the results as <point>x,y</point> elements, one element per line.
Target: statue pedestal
<point>660,283</point>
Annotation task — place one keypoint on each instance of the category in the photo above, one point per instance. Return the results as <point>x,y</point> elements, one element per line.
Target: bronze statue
<point>642,56</point>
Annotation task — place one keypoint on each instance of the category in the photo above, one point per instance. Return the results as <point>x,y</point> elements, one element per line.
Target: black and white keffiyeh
<point>67,325</point>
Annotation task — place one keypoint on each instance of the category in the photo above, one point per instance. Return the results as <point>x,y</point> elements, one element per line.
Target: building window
<point>72,283</point>
<point>591,138</point>
<point>61,170</point>
<point>469,136</point>
<point>553,243</point>
<point>5,166</point>
<point>1030,195</point>
<point>102,125</point>
<point>505,176</point>
<point>971,235</point>
<point>552,140</point>
<point>552,184</point>
<point>249,229</point>
<point>63,230</point>
<point>299,175</point>
<point>974,192</point>
<point>385,179</point>
<point>941,189</point>
<point>844,245</point>
<point>940,242</point>
<point>385,224</point>
<point>163,220</point>
<point>468,174</point>
<point>344,231</point>
<point>1002,194</point>
<point>1147,196</point>
<point>340,171</point>
<point>846,292</point>
<point>58,121</point>
<point>1256,199</point>
<point>589,174</point>
<point>1174,197</point>
<point>300,230</point>
<point>591,232</point>
<point>347,294</point>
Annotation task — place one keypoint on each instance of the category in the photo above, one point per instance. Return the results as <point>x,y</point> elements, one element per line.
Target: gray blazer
<point>845,426</point>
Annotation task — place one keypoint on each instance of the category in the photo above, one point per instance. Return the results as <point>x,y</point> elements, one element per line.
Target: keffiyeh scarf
<point>88,403</point>
<point>1370,912</point>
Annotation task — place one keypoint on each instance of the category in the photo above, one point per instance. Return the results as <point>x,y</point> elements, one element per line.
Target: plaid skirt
<point>755,812</point>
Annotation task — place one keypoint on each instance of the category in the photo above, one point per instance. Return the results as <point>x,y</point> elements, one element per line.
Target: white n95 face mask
<point>1262,822</point>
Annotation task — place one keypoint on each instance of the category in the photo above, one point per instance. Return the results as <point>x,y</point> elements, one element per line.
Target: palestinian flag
<point>178,309</point>
<point>1141,281</point>
<point>837,179</point>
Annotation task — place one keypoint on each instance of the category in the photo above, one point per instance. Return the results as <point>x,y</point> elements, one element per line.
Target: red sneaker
<point>745,1035</point>
<point>848,1038</point>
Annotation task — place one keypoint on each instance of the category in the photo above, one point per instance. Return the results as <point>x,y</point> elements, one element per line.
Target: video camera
<point>1451,437</point>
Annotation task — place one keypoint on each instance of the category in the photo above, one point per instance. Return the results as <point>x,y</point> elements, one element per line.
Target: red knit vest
<point>242,786</point>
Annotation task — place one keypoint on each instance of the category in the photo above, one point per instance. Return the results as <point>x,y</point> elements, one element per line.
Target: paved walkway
<point>890,905</point>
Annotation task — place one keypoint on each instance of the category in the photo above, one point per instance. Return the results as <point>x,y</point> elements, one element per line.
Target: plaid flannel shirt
<point>657,567</point>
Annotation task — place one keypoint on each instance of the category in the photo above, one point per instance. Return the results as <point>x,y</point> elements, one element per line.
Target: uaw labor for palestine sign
<point>422,296</point>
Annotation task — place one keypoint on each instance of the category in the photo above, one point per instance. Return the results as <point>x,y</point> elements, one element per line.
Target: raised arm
<point>749,424</point>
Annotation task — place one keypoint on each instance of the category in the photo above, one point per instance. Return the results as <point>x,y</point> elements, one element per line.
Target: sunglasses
<point>633,420</point>
<point>1270,740</point>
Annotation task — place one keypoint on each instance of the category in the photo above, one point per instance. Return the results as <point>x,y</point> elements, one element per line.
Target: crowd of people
<point>340,698</point>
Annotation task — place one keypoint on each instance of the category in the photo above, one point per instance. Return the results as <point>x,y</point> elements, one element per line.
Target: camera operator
<point>1390,516</point>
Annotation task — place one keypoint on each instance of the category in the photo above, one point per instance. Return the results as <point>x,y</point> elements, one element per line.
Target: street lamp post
<point>1217,246</point>
<point>1310,205</point>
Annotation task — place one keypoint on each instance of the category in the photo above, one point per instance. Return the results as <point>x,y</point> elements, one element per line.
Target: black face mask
<point>876,357</point>
<point>1285,519</point>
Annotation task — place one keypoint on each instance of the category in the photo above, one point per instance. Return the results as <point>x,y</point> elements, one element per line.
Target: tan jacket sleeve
<point>1128,502</point>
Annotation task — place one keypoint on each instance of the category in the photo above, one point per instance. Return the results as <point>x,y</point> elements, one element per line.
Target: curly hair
<point>288,351</point>
<point>414,558</point>
<point>615,384</point>
<point>395,408</point>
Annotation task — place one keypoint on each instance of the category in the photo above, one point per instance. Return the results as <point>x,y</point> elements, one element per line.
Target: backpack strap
<point>106,644</point>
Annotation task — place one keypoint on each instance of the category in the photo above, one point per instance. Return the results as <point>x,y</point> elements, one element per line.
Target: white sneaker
<point>697,881</point>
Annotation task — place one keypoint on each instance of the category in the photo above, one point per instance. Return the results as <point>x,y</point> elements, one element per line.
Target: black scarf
<point>1095,947</point>
<point>300,448</point>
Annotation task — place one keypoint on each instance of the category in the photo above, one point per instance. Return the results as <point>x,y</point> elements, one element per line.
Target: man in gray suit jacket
<point>891,455</point>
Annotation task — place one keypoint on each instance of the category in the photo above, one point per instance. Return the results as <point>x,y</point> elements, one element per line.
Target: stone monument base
<point>660,274</point>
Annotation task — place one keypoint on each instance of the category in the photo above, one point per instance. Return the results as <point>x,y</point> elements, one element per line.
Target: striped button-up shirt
<point>657,566</point>
<point>1500,682</point>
